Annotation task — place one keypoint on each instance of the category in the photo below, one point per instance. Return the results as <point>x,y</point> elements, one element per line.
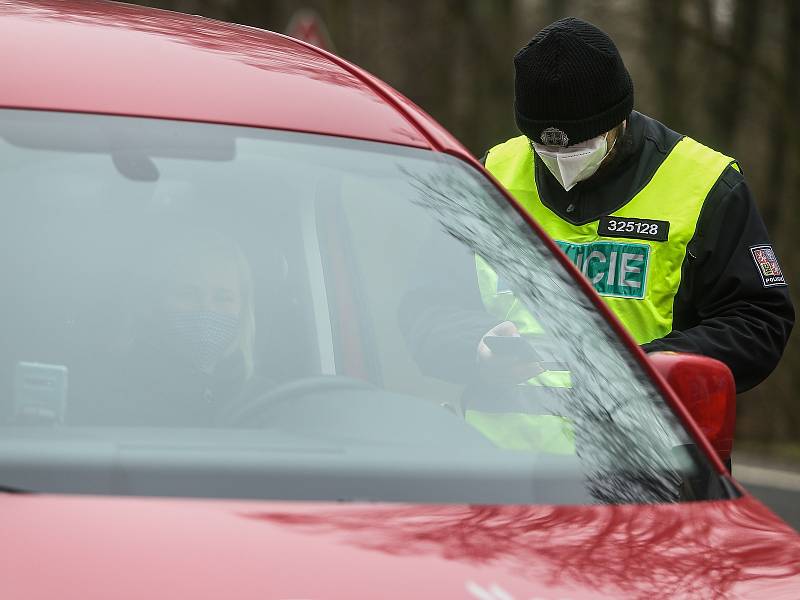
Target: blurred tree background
<point>726,72</point>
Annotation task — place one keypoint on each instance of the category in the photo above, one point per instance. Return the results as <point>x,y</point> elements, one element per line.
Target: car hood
<point>85,548</point>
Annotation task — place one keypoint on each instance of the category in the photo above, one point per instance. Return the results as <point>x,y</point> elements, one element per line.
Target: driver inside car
<point>190,356</point>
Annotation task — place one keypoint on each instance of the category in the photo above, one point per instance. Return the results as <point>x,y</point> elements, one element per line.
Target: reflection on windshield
<point>622,431</point>
<point>347,303</point>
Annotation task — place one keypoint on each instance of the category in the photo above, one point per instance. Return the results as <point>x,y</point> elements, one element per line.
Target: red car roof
<point>105,57</point>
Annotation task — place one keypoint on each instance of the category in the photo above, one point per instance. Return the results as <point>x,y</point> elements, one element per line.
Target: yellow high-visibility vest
<point>638,278</point>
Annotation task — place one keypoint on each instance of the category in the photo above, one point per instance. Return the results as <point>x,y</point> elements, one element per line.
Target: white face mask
<point>574,163</point>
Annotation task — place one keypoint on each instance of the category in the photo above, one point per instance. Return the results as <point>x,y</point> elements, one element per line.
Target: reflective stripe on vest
<point>523,417</point>
<point>637,278</point>
<point>518,431</point>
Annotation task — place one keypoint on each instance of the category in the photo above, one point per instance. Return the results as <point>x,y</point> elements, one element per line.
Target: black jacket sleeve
<point>726,306</point>
<point>442,315</point>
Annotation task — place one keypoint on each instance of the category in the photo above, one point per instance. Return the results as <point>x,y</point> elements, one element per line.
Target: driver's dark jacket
<point>722,308</point>
<point>154,388</point>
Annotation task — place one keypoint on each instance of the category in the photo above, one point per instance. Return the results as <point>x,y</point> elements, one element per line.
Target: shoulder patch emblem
<point>767,265</point>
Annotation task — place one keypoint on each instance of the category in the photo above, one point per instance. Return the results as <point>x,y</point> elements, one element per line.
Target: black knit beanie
<point>570,84</point>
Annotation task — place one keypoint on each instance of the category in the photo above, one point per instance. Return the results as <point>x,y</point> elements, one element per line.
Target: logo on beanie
<point>553,136</point>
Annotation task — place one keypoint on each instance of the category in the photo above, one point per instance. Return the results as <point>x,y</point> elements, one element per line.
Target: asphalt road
<point>777,487</point>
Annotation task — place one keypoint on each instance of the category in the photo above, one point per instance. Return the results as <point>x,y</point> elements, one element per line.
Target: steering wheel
<point>251,412</point>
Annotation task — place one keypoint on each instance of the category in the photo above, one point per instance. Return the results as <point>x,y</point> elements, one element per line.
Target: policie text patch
<point>631,227</point>
<point>617,269</point>
<point>767,264</point>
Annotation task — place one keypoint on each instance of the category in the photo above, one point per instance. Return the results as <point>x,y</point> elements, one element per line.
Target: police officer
<point>664,227</point>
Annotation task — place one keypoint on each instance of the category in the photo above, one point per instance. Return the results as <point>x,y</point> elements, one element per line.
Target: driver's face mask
<point>572,164</point>
<point>203,337</point>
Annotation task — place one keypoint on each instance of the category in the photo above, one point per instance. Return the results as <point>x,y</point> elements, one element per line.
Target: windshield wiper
<point>7,489</point>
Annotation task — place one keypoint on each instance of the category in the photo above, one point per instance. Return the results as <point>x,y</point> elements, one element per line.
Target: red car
<point>248,298</point>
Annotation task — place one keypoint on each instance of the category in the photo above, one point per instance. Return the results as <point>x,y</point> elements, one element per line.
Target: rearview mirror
<point>706,389</point>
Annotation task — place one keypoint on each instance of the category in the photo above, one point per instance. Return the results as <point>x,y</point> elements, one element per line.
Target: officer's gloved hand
<point>508,368</point>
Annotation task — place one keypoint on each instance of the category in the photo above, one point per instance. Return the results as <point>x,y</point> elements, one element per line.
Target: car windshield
<point>205,310</point>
